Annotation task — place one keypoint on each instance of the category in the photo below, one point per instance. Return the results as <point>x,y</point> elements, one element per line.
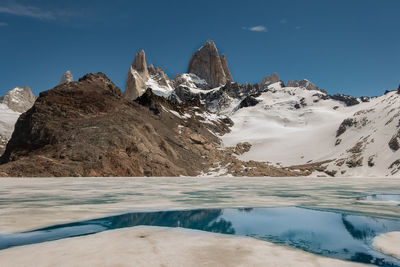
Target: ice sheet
<point>157,246</point>
<point>28,203</point>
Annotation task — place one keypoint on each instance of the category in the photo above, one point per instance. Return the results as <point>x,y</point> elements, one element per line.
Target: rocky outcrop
<point>67,77</point>
<point>218,100</point>
<point>249,101</point>
<point>305,84</point>
<point>207,64</point>
<point>394,142</point>
<point>137,77</point>
<point>349,122</point>
<point>346,99</point>
<point>19,99</point>
<point>268,80</point>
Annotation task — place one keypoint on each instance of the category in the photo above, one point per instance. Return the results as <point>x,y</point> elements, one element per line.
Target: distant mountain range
<point>200,123</point>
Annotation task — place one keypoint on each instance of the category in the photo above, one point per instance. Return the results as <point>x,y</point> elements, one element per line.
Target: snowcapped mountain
<point>15,102</point>
<point>294,126</point>
<point>270,128</point>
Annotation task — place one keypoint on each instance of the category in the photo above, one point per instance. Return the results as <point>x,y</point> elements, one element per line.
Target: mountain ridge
<point>288,129</point>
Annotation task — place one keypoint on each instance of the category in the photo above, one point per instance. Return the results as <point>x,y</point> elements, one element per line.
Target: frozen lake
<point>333,217</point>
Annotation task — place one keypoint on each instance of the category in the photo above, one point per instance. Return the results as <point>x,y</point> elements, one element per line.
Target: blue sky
<point>350,46</point>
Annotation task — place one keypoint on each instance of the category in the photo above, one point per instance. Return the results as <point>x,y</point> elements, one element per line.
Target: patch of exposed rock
<point>346,99</point>
<point>249,101</point>
<point>394,142</point>
<point>242,148</point>
<point>208,65</point>
<point>344,125</point>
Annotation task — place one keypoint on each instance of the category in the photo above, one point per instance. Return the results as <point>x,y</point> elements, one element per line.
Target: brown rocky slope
<point>88,128</point>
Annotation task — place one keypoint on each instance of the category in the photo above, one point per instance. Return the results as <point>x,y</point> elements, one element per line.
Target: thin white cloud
<point>3,24</point>
<point>283,21</point>
<point>34,12</point>
<point>298,27</point>
<point>27,11</point>
<point>258,28</point>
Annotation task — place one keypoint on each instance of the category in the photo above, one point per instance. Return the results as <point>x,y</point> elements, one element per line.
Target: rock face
<point>228,74</point>
<point>207,64</point>
<point>137,77</point>
<point>67,77</point>
<point>19,99</point>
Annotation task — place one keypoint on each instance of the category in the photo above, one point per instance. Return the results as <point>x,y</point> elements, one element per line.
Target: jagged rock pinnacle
<point>67,77</point>
<point>137,77</point>
<point>207,64</point>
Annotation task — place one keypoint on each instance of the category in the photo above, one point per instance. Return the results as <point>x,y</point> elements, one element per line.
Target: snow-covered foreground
<point>27,204</point>
<point>294,126</point>
<point>157,246</point>
<point>388,243</point>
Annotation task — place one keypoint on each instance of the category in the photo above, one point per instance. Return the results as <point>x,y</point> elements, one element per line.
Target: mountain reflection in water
<point>333,234</point>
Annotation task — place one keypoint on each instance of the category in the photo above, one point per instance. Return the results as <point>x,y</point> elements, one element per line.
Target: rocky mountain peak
<point>139,64</point>
<point>19,99</point>
<point>137,76</point>
<point>268,80</point>
<point>67,77</point>
<point>207,64</point>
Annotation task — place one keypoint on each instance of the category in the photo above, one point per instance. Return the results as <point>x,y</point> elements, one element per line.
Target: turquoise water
<point>335,234</point>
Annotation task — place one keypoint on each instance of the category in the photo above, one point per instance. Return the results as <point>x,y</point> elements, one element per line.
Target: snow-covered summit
<point>19,99</point>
